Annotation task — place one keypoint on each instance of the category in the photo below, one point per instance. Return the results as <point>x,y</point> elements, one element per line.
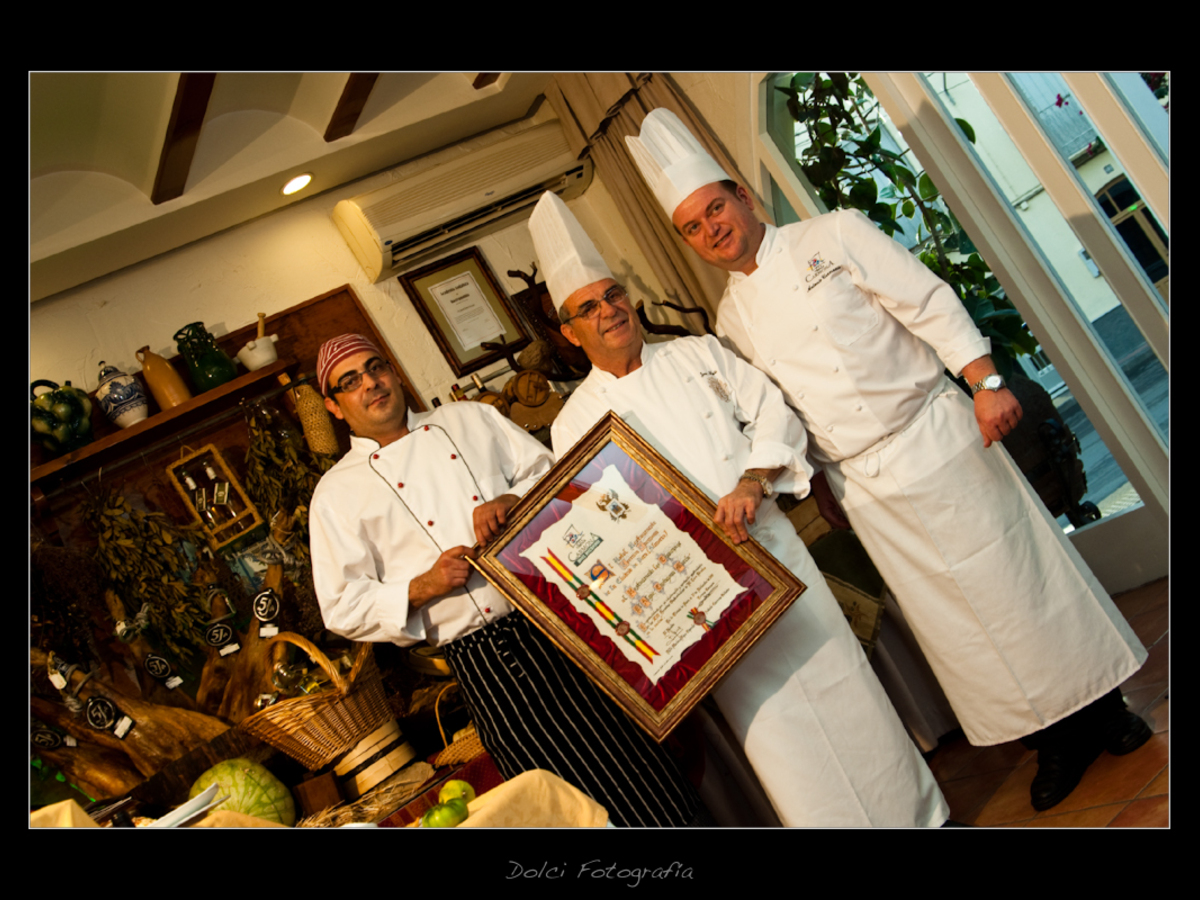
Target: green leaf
<point>841,84</point>
<point>871,142</point>
<point>926,189</point>
<point>908,209</point>
<point>833,156</point>
<point>802,80</point>
<point>882,213</point>
<point>863,193</point>
<point>966,129</point>
<point>903,176</point>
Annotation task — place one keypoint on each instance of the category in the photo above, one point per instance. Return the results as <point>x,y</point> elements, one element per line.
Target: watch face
<point>993,382</point>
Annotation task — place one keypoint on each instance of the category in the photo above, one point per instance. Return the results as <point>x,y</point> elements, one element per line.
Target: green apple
<point>456,788</point>
<point>445,815</point>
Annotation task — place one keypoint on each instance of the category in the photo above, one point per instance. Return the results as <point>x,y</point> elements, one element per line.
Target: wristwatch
<point>991,382</point>
<point>761,481</point>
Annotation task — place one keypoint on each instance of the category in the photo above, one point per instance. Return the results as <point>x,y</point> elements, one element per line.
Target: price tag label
<point>57,680</point>
<point>101,713</point>
<point>218,634</point>
<point>230,648</point>
<point>124,724</point>
<point>266,605</point>
<point>46,739</point>
<point>268,630</point>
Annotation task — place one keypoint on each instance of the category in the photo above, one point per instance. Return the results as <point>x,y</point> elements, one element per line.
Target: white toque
<point>672,160</point>
<point>568,257</point>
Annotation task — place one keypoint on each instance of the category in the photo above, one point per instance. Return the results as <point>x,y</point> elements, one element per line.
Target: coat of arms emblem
<point>613,505</point>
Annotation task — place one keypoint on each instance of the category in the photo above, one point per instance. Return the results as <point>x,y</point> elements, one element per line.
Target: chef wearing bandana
<point>391,525</point>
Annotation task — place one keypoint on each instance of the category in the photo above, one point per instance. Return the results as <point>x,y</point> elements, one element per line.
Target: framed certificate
<point>465,310</point>
<point>615,557</point>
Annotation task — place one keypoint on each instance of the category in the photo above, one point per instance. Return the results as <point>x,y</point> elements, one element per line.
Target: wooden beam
<point>183,133</point>
<point>350,105</point>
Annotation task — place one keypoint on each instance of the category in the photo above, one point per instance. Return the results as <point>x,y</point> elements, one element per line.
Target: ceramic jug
<point>121,397</point>
<point>210,366</point>
<point>61,418</point>
<point>166,385</point>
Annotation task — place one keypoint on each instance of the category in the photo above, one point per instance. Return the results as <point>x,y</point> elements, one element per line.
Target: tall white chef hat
<point>671,159</point>
<point>569,259</point>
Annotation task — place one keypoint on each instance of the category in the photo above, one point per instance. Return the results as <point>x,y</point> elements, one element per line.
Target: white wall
<point>273,263</point>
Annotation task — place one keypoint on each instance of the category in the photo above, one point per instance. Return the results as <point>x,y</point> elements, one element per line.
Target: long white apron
<point>1013,623</point>
<point>814,720</point>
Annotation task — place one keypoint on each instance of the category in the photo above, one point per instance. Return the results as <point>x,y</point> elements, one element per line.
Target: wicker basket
<point>466,744</point>
<point>315,729</point>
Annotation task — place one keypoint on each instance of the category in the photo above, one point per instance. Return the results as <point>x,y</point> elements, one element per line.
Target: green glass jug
<point>209,365</point>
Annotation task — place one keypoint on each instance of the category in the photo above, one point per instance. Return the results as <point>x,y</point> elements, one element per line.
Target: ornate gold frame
<point>768,588</point>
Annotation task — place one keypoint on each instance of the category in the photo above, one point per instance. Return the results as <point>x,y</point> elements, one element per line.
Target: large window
<point>1097,306</point>
<point>1138,228</point>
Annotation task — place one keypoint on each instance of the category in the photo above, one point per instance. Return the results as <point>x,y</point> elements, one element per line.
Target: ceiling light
<point>296,184</point>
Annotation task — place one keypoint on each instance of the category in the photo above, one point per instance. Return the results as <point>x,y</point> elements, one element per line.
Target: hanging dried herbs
<point>281,474</point>
<point>149,560</point>
<point>65,597</point>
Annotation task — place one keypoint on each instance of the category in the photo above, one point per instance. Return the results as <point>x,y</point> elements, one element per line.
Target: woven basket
<point>466,744</point>
<point>315,729</point>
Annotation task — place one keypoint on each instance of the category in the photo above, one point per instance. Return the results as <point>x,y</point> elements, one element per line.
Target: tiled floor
<point>989,786</point>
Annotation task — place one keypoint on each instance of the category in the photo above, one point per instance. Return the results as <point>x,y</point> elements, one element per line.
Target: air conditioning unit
<point>466,197</point>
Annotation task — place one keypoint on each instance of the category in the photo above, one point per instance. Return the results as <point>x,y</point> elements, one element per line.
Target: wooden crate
<point>245,517</point>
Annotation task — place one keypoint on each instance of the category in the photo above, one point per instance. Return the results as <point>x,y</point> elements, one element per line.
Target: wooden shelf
<point>129,440</point>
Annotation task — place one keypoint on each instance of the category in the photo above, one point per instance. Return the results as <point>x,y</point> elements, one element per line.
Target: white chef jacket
<point>813,720</point>
<point>383,515</point>
<point>856,331</point>
<point>869,317</point>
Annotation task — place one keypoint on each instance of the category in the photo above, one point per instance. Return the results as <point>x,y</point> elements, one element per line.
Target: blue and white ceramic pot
<point>121,396</point>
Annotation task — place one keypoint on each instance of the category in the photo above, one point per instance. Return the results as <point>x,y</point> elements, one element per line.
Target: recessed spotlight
<point>296,184</point>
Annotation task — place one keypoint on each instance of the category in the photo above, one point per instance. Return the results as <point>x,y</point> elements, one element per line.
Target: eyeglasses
<point>351,380</point>
<point>591,309</point>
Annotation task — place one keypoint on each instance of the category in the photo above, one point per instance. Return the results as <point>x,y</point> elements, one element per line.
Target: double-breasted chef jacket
<point>813,719</point>
<point>856,333</point>
<point>383,515</point>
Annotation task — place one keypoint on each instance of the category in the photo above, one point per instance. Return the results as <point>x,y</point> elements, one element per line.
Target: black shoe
<point>1125,733</point>
<point>1059,771</point>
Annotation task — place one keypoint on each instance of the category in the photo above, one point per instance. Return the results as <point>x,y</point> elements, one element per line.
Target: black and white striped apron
<point>534,709</point>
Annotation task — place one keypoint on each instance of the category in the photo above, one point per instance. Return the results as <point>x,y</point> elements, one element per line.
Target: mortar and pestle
<point>260,351</point>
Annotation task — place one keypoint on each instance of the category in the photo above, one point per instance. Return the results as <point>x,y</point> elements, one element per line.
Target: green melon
<point>252,790</point>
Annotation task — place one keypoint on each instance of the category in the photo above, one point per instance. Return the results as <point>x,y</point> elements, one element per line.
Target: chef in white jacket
<point>856,332</point>
<point>813,719</point>
<point>391,526</point>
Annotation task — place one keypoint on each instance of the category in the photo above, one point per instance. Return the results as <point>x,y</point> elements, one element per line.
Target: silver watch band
<point>761,481</point>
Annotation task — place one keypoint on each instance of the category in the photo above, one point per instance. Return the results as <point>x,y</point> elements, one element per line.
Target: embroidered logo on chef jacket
<point>718,386</point>
<point>818,270</point>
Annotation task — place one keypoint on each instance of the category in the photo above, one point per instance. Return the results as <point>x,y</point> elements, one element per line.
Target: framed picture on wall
<point>615,557</point>
<point>465,310</point>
